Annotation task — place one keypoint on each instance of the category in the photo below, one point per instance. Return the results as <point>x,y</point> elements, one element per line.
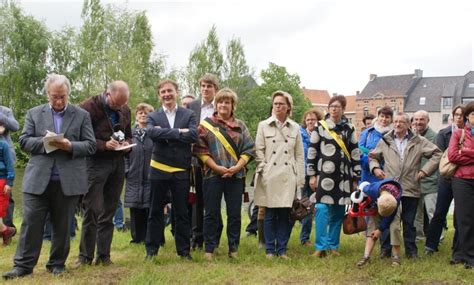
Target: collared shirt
<point>58,120</point>
<point>207,110</point>
<point>170,115</point>
<point>279,124</point>
<point>401,144</point>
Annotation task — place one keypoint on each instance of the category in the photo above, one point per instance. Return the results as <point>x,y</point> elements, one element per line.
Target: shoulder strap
<point>335,136</point>
<point>222,137</point>
<point>461,139</point>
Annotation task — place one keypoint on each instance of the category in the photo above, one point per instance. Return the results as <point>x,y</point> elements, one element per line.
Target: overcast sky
<point>332,45</point>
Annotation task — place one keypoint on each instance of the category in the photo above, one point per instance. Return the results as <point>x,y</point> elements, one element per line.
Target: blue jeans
<point>306,222</point>
<point>276,227</point>
<point>213,189</point>
<point>445,197</point>
<point>328,222</point>
<point>118,217</point>
<point>409,207</point>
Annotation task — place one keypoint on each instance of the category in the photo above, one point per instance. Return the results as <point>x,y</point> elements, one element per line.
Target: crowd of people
<point>194,154</point>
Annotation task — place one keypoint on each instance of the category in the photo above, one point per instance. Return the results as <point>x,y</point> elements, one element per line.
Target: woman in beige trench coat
<point>280,172</point>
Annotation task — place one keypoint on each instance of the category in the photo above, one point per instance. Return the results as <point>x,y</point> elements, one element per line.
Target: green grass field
<point>251,267</point>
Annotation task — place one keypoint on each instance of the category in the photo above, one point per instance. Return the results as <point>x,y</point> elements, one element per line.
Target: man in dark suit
<point>106,168</point>
<point>203,107</point>
<point>173,130</point>
<point>53,181</point>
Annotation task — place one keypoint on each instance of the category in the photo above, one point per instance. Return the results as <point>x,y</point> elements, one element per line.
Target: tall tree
<point>258,106</point>
<point>23,52</point>
<point>92,46</point>
<point>204,58</point>
<point>236,73</point>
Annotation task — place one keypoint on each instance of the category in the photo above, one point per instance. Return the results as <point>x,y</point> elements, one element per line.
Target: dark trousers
<point>198,209</point>
<point>409,207</point>
<point>306,222</point>
<point>276,227</point>
<point>179,199</point>
<point>214,187</point>
<point>105,187</point>
<point>35,208</point>
<point>138,224</point>
<point>8,219</point>
<point>252,226</point>
<point>438,222</point>
<point>463,190</point>
<point>47,227</point>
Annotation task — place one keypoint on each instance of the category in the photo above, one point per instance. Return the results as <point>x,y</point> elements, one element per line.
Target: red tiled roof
<point>351,103</point>
<point>317,96</point>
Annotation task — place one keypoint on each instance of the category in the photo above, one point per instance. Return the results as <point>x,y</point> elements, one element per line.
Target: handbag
<point>301,208</point>
<point>352,225</point>
<point>447,168</point>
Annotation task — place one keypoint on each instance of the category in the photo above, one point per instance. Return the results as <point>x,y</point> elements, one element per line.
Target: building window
<point>366,111</point>
<point>394,108</point>
<point>471,85</point>
<point>445,119</point>
<point>422,100</point>
<point>466,100</point>
<point>447,102</point>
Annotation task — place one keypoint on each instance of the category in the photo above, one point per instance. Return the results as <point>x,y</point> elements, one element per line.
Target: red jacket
<point>465,158</point>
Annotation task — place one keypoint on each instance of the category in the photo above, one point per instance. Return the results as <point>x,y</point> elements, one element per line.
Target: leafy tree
<point>257,106</point>
<point>205,58</point>
<point>23,53</point>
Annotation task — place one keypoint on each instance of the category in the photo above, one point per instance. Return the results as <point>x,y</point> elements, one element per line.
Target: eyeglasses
<point>335,107</point>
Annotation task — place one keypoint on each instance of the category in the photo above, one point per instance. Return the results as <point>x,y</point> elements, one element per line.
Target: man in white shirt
<point>173,130</point>
<point>203,107</point>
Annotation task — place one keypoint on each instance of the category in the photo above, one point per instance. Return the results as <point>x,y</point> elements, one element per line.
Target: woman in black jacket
<point>445,190</point>
<point>137,167</point>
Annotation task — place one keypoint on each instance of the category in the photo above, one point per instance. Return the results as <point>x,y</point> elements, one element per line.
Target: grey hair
<point>58,79</point>
<point>423,113</point>
<point>407,118</point>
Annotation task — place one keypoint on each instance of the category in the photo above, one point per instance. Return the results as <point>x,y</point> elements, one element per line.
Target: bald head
<point>117,95</point>
<point>420,120</point>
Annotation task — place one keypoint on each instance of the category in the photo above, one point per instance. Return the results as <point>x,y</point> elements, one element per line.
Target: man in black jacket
<point>172,130</point>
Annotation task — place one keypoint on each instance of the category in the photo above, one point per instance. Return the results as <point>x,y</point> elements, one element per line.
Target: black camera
<point>118,135</point>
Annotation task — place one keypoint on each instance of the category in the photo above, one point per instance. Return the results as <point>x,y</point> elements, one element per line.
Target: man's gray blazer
<point>72,166</point>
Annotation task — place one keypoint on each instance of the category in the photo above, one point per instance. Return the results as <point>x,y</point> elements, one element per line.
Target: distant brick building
<point>412,92</point>
<point>320,99</point>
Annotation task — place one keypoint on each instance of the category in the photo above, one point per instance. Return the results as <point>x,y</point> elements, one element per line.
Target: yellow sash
<point>336,137</point>
<point>221,139</point>
<point>164,167</point>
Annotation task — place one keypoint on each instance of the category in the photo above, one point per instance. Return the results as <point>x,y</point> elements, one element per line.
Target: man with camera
<point>110,116</point>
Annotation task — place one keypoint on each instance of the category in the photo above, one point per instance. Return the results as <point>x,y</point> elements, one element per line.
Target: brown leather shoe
<point>8,235</point>
<point>319,253</point>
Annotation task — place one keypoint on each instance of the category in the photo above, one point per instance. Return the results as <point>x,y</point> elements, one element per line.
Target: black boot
<point>261,235</point>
